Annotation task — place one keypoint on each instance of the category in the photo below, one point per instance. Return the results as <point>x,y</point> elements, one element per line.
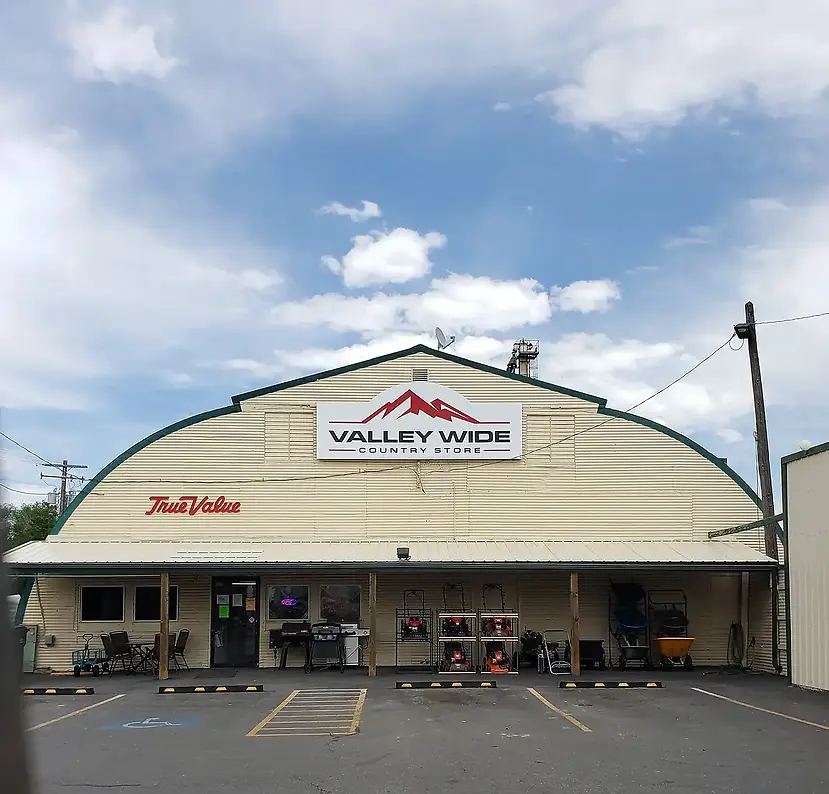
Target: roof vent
<point>420,373</point>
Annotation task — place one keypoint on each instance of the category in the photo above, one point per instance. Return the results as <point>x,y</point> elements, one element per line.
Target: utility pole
<point>748,331</point>
<point>64,478</point>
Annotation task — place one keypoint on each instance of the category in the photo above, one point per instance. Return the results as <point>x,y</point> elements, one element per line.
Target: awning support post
<point>575,655</point>
<point>372,623</point>
<point>164,645</point>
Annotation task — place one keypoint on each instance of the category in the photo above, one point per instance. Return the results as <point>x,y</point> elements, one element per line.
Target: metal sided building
<point>325,498</point>
<point>805,477</point>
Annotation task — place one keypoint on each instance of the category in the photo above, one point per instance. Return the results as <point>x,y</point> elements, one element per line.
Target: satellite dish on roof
<point>443,342</point>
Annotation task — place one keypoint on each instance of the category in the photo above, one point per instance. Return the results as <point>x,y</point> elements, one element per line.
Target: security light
<point>402,552</point>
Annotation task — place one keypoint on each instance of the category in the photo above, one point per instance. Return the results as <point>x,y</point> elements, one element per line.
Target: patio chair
<point>155,655</point>
<point>118,649</point>
<point>178,649</point>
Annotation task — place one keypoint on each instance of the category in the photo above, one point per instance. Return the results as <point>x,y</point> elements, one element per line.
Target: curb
<point>59,691</point>
<point>610,685</point>
<point>445,684</point>
<point>188,690</point>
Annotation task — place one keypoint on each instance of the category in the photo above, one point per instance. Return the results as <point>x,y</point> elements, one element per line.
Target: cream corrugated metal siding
<point>807,528</point>
<point>373,553</point>
<point>54,606</point>
<point>620,480</point>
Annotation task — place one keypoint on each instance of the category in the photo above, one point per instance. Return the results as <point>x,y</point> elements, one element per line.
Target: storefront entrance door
<point>234,623</point>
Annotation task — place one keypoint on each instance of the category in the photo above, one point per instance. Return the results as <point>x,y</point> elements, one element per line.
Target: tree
<point>30,522</point>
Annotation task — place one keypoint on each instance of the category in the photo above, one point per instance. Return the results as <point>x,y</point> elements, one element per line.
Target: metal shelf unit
<point>413,640</point>
<point>510,621</point>
<point>457,628</point>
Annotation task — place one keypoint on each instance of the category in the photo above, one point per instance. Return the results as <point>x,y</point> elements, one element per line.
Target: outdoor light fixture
<point>742,330</point>
<point>402,552</point>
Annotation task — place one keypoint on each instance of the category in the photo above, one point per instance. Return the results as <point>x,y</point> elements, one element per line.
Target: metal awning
<point>91,557</point>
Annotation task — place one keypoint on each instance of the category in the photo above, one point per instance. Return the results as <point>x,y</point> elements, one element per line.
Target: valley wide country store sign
<point>419,420</point>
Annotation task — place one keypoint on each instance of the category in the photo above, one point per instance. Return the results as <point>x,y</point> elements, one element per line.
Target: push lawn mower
<point>413,625</point>
<point>497,658</point>
<point>455,659</point>
<point>495,624</point>
<point>455,625</point>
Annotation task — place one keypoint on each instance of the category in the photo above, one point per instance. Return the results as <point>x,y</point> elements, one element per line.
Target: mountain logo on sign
<point>412,404</point>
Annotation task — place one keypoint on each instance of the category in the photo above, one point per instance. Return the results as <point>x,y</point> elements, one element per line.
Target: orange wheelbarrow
<point>673,652</point>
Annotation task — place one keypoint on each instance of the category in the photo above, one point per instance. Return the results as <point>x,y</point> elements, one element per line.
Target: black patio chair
<point>118,649</point>
<point>178,649</point>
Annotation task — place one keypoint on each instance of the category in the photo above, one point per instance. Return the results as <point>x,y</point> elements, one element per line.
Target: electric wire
<point>792,319</point>
<point>26,449</point>
<point>362,472</point>
<point>25,493</point>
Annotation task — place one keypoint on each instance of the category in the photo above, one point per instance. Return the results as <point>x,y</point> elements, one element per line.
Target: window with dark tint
<point>288,602</point>
<point>340,603</point>
<point>102,603</point>
<point>148,603</point>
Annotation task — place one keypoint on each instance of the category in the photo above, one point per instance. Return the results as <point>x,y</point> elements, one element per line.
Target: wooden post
<point>575,655</point>
<point>164,646</point>
<point>372,623</point>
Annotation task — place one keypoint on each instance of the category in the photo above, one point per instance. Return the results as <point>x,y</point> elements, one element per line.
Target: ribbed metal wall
<point>59,598</point>
<point>807,529</point>
<point>621,480</point>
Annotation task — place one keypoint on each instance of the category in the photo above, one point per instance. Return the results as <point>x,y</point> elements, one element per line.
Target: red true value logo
<point>190,505</point>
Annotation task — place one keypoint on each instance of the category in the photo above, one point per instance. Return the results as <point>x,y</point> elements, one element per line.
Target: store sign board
<point>191,505</point>
<point>422,421</point>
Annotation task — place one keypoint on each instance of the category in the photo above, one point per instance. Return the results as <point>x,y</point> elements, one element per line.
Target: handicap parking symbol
<point>151,722</point>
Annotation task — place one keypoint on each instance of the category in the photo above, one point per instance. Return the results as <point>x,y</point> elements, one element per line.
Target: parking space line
<point>314,712</point>
<point>73,713</point>
<point>580,725</point>
<point>760,708</point>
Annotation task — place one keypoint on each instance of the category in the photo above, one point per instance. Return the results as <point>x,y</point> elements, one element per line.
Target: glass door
<point>234,623</point>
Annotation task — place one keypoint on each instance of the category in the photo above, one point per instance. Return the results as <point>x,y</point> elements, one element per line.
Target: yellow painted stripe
<point>80,691</point>
<point>169,689</point>
<point>486,683</point>
<point>599,685</point>
<point>199,689</point>
<point>221,689</point>
<point>624,683</point>
<point>358,711</point>
<point>435,684</point>
<point>51,692</point>
<point>580,725</point>
<point>272,714</point>
<point>74,713</point>
<point>28,691</point>
<point>405,686</point>
<point>251,689</point>
<point>457,683</point>
<point>765,711</point>
<point>653,685</point>
<point>570,686</point>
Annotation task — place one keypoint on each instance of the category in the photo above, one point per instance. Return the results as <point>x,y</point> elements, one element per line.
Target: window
<point>148,603</point>
<point>288,602</point>
<point>340,603</point>
<point>100,604</point>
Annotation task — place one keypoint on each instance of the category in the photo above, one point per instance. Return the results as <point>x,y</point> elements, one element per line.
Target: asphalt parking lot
<point>329,733</point>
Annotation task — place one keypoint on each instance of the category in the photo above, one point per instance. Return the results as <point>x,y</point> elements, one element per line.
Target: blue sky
<point>615,181</point>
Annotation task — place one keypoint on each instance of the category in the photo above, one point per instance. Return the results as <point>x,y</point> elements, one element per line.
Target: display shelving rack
<point>414,649</point>
<point>468,640</point>
<point>511,641</point>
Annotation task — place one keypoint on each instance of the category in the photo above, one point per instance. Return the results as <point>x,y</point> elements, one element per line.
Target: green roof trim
<point>804,453</point>
<point>331,373</point>
<point>24,600</point>
<point>689,442</point>
<point>112,465</point>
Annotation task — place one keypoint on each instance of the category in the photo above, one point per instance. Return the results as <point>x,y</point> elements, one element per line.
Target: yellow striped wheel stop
<point>445,685</point>
<point>189,690</point>
<point>60,691</point>
<point>610,685</point>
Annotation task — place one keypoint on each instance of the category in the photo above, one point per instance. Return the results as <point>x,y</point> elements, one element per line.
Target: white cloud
<point>116,48</point>
<point>501,107</point>
<point>368,210</point>
<point>697,235</point>
<point>386,257</point>
<point>460,303</point>
<point>730,436</point>
<point>586,296</point>
<point>89,289</point>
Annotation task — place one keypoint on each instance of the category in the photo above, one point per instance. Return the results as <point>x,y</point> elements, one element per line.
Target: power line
<point>26,449</point>
<point>25,493</point>
<point>262,480</point>
<point>792,319</point>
